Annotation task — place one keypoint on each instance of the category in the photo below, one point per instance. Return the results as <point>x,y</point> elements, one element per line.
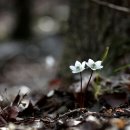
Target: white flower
<point>78,67</point>
<point>94,65</point>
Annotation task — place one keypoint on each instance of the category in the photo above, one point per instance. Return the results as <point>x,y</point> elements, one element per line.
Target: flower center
<point>93,66</point>
<point>77,67</point>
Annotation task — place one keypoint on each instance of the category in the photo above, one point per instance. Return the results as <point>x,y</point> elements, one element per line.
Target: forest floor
<point>32,97</point>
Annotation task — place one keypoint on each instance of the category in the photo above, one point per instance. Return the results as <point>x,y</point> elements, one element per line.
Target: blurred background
<point>31,42</point>
<point>39,39</point>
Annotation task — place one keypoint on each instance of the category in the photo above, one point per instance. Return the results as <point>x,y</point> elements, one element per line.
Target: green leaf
<point>122,68</point>
<point>105,54</point>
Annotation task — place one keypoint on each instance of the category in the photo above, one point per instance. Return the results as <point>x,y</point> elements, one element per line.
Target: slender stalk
<point>81,105</point>
<point>89,80</point>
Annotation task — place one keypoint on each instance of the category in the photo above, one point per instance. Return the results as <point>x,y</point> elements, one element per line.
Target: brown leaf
<point>2,121</point>
<point>115,99</point>
<point>10,113</point>
<point>40,103</point>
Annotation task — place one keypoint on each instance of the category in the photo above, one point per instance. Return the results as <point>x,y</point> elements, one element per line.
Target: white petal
<point>74,72</point>
<point>90,61</point>
<point>78,71</point>
<point>100,67</point>
<point>77,63</point>
<point>72,67</point>
<point>98,63</point>
<point>82,69</point>
<point>88,64</point>
<point>93,68</point>
<point>83,64</point>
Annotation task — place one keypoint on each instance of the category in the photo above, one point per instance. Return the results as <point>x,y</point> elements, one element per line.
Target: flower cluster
<point>79,67</point>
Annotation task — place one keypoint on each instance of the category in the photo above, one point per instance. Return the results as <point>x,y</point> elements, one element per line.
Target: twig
<point>112,6</point>
<point>71,112</point>
<point>86,113</point>
<point>47,120</point>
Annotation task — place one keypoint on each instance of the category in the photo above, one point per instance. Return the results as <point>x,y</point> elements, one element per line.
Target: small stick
<point>71,112</point>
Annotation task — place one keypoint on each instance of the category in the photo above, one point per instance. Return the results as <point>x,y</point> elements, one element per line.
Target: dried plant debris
<point>26,111</point>
<point>108,108</point>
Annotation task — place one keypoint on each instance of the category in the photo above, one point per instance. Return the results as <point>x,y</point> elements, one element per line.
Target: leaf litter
<point>59,110</point>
